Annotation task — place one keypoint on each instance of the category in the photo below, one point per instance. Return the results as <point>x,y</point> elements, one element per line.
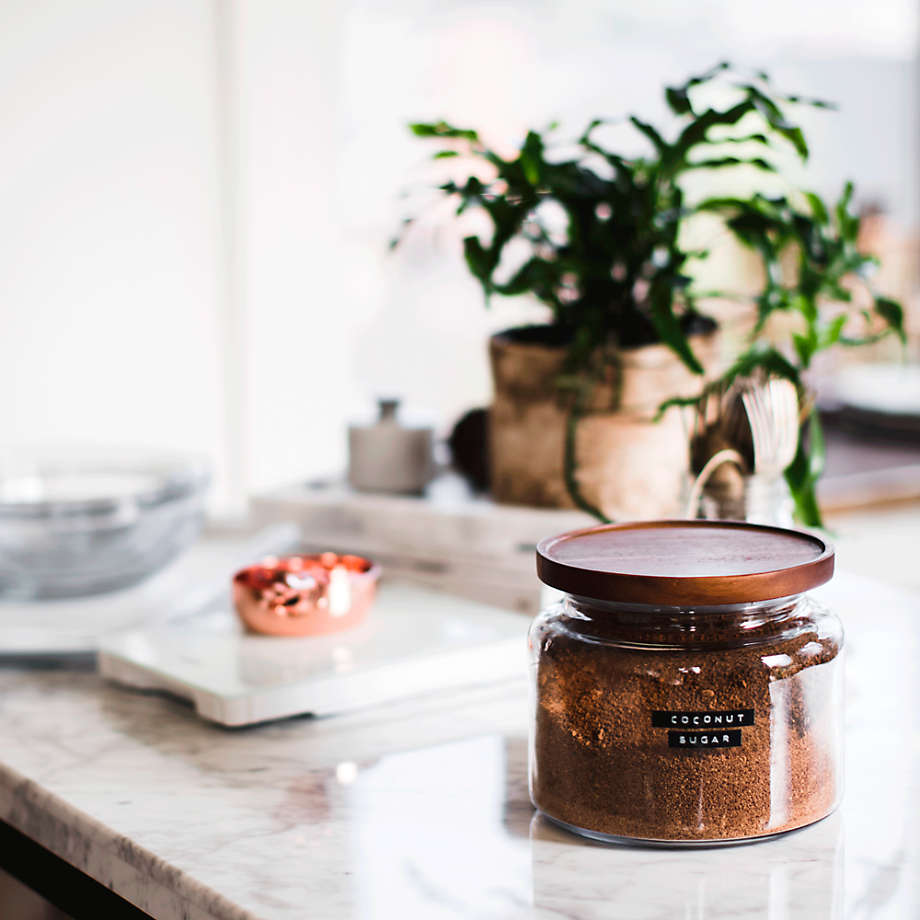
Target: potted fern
<point>596,236</point>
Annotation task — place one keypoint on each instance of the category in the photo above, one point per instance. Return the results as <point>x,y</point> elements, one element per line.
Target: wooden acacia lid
<point>685,562</point>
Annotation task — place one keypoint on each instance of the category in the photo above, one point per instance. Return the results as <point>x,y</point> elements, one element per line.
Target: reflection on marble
<point>796,876</point>
<point>420,809</point>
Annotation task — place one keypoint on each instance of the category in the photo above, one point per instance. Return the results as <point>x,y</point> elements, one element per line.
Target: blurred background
<point>198,197</point>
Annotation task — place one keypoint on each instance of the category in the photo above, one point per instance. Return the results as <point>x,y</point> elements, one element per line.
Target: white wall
<point>296,329</point>
<point>109,243</point>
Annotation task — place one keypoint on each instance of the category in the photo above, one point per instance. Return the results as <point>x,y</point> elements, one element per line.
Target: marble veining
<point>420,808</point>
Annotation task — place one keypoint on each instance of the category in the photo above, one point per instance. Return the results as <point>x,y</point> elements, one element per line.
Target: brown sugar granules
<point>690,727</point>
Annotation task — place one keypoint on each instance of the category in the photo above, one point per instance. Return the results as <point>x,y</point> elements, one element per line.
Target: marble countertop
<point>420,809</point>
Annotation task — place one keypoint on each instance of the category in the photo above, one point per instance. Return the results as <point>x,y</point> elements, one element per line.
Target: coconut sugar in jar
<point>686,689</point>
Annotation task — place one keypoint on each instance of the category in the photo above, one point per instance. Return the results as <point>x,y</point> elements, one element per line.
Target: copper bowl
<point>305,595</point>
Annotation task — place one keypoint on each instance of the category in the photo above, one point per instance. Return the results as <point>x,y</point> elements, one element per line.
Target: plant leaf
<point>675,401</point>
<point>775,118</point>
<point>678,100</point>
<point>442,129</point>
<point>817,451</point>
<point>658,142</point>
<point>810,100</point>
<point>756,138</point>
<point>720,162</point>
<point>479,260</point>
<point>893,314</point>
<point>847,224</point>
<point>532,157</point>
<point>667,324</point>
<point>803,348</point>
<point>830,334</point>
<point>766,358</point>
<point>803,473</point>
<point>818,208</point>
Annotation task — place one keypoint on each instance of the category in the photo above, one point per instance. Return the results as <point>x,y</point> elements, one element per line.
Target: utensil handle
<point>728,455</point>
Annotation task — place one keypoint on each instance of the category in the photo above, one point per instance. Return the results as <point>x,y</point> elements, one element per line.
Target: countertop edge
<point>105,855</point>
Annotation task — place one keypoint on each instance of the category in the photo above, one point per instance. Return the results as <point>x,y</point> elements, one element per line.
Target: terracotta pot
<point>627,464</point>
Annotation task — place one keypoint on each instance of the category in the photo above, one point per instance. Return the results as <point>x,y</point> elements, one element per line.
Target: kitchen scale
<point>415,640</point>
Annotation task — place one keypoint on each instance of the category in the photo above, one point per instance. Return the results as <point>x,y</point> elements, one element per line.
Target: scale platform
<point>415,640</point>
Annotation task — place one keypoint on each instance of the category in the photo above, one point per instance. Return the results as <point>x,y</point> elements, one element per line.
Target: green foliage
<point>806,468</point>
<point>828,269</point>
<point>616,274</point>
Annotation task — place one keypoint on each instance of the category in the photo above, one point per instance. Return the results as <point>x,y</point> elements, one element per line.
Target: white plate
<point>889,389</point>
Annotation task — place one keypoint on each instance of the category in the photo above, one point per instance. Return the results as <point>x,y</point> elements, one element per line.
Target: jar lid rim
<point>679,562</point>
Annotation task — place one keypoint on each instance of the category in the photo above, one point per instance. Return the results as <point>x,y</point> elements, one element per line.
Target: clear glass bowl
<point>78,523</point>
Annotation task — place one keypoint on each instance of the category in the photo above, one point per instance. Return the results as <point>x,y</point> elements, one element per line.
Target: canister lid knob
<point>388,407</point>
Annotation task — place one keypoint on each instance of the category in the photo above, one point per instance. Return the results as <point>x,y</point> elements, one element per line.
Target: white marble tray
<point>416,640</point>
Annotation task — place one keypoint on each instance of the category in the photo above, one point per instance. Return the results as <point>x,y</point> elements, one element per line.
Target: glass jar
<point>685,688</point>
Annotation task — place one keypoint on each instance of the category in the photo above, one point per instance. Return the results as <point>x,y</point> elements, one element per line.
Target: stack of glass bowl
<point>75,523</point>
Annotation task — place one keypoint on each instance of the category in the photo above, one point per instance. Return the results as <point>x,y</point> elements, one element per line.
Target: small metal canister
<point>388,455</point>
